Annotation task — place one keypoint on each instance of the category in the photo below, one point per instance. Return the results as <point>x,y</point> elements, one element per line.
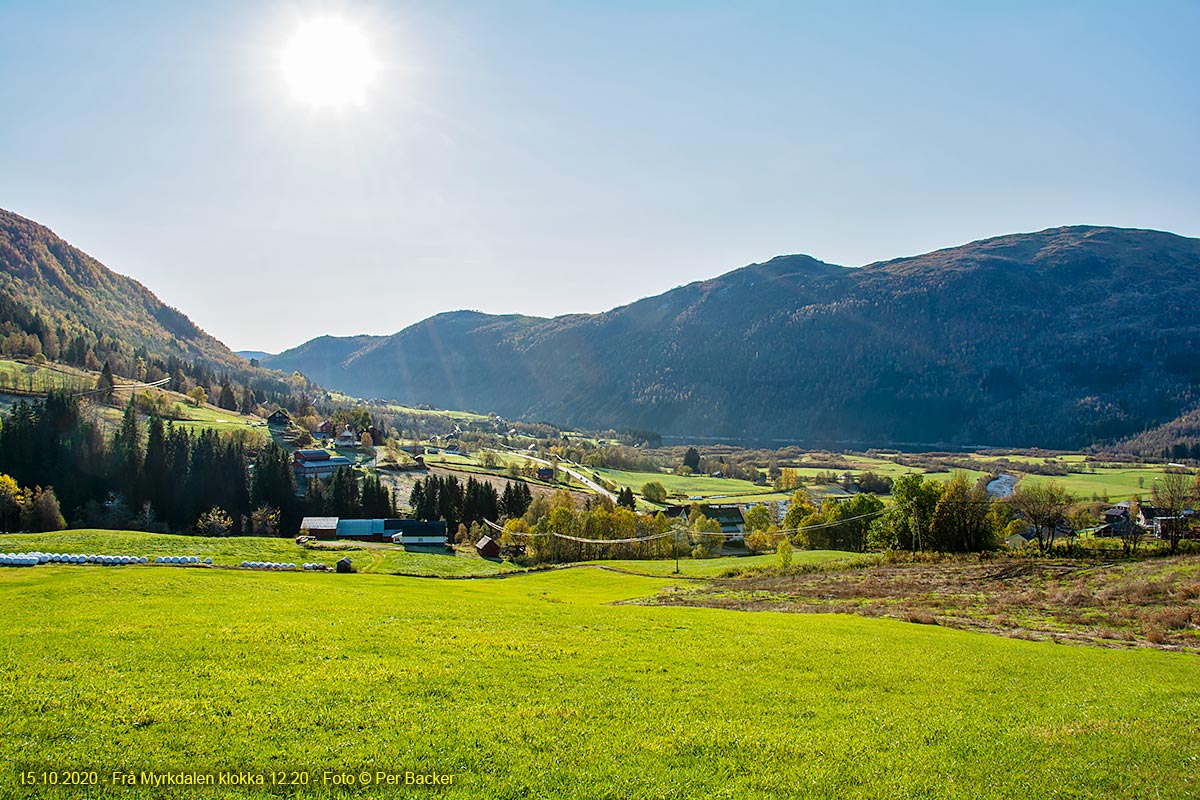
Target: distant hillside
<point>249,354</point>
<point>57,300</point>
<point>1058,339</point>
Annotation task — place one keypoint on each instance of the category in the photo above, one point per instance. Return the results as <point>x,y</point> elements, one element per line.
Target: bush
<point>214,522</point>
<point>264,520</point>
<point>654,492</point>
<point>783,552</point>
<point>758,542</point>
<point>40,511</point>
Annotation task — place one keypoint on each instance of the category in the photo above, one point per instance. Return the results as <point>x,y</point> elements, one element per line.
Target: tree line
<point>158,476</point>
<point>466,504</point>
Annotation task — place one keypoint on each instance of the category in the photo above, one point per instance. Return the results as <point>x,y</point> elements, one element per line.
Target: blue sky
<point>557,157</point>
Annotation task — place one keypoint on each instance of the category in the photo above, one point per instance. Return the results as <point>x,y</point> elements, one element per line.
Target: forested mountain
<point>1058,339</point>
<point>57,300</point>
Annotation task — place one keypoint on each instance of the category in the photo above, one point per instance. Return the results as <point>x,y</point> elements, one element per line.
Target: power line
<point>657,536</point>
<point>154,385</point>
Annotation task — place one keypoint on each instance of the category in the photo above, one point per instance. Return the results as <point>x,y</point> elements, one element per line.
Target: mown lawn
<point>535,686</point>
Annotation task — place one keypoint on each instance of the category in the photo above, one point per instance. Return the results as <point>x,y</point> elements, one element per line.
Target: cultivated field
<point>546,685</point>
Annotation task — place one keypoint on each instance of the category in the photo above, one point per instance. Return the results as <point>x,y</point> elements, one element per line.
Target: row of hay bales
<point>35,558</point>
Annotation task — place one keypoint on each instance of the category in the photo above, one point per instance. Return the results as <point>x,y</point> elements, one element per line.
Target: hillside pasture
<point>546,685</point>
<point>28,377</point>
<point>61,377</point>
<point>370,557</point>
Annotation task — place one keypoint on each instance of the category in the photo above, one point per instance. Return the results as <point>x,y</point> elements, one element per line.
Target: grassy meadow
<point>538,685</point>
<point>233,550</point>
<point>25,375</point>
<point>687,485</point>
<point>61,376</point>
<point>1118,483</point>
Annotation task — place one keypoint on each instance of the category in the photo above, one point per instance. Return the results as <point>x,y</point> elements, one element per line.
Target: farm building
<point>1016,541</point>
<point>545,473</point>
<point>487,547</point>
<point>407,532</point>
<point>371,529</point>
<point>418,534</point>
<point>279,417</point>
<point>1116,522</point>
<point>320,527</point>
<point>347,438</point>
<point>733,523</point>
<point>317,463</point>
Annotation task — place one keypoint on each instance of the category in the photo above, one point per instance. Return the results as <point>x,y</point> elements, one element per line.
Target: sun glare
<point>327,63</point>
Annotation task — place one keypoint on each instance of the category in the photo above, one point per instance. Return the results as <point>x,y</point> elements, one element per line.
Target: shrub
<point>40,511</point>
<point>783,552</point>
<point>264,520</point>
<point>214,522</point>
<point>757,542</point>
<point>654,492</point>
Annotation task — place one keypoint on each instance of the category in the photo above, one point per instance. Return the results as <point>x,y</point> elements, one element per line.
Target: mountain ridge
<point>919,343</point>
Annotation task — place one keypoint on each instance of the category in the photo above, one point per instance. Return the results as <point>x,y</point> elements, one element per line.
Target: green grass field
<point>457,416</point>
<point>209,416</point>
<point>688,485</point>
<point>62,376</point>
<point>232,550</point>
<point>22,375</point>
<point>371,557</point>
<point>1119,483</point>
<point>538,686</point>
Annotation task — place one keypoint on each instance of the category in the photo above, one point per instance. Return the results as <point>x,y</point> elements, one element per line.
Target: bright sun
<point>327,63</point>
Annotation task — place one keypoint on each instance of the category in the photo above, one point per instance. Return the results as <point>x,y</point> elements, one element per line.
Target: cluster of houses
<point>1120,519</point>
<point>348,437</point>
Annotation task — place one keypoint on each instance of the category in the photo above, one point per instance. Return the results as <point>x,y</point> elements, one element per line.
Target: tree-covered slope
<point>1056,338</point>
<point>74,296</point>
<point>58,301</point>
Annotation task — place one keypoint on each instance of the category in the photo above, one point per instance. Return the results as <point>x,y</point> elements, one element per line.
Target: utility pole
<point>676,539</point>
<point>916,528</point>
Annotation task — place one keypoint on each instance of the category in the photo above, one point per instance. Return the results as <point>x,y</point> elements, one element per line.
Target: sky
<point>521,156</point>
